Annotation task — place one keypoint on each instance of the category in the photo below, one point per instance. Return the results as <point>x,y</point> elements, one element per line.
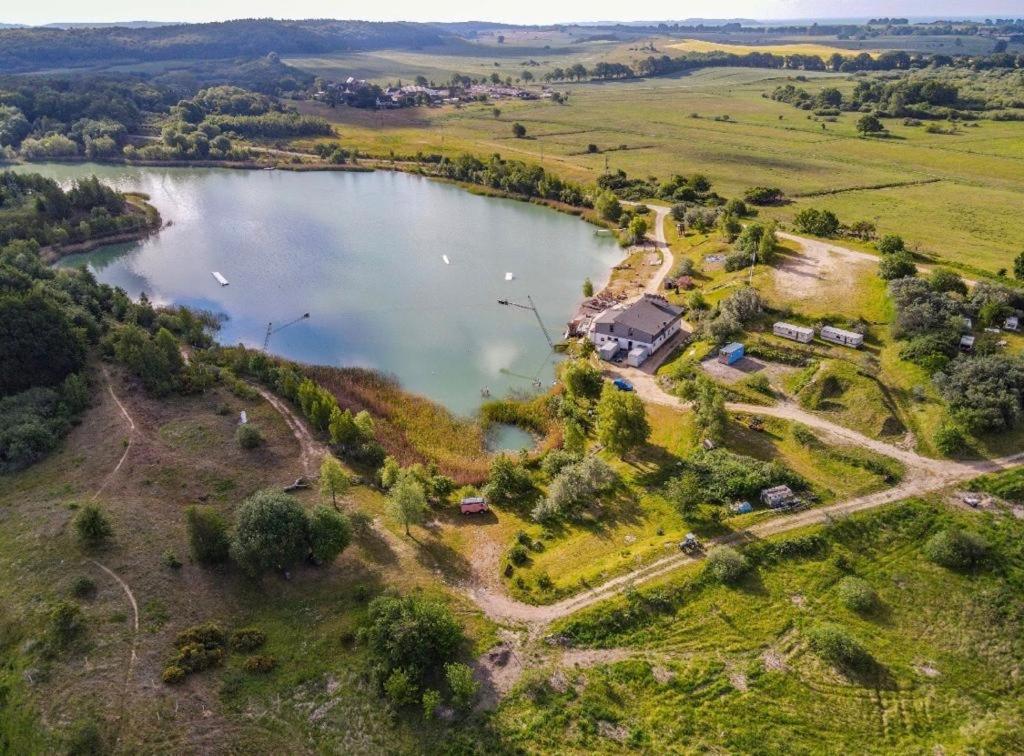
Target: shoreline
<point>51,254</point>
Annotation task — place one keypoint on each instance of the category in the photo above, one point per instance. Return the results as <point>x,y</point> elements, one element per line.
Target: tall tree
<point>621,421</point>
<point>408,502</point>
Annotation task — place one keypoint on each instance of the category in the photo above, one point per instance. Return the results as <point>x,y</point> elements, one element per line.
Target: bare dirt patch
<point>745,367</point>
<point>819,271</point>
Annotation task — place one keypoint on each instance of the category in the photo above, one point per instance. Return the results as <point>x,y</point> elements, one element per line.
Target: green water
<point>362,253</point>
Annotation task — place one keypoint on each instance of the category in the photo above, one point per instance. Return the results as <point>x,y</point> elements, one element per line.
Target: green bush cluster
<point>199,647</point>
<point>857,595</point>
<point>726,565</point>
<point>958,549</point>
<point>837,646</point>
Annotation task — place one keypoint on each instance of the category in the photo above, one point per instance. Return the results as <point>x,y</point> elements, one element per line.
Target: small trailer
<point>803,334</point>
<point>730,354</point>
<point>473,505</point>
<point>841,337</point>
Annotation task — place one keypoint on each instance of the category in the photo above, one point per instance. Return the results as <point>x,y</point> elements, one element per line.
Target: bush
<point>838,647</point>
<point>957,549</point>
<point>92,526</point>
<point>857,595</point>
<point>950,440</point>
<point>248,436</point>
<point>270,533</point>
<point>726,565</point>
<point>431,702</point>
<point>65,624</point>
<point>247,639</point>
<point>173,674</point>
<point>399,689</point>
<point>890,243</point>
<point>896,265</point>
<point>816,222</point>
<point>518,555</point>
<point>207,535</point>
<point>170,560</point>
<point>413,634</point>
<point>259,664</point>
<point>83,587</point>
<point>330,533</point>
<point>461,684</point>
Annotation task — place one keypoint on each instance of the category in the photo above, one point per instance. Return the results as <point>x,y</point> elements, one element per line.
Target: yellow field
<point>799,48</point>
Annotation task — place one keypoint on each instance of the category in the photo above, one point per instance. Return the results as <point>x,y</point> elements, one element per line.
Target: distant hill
<point>38,48</point>
<point>117,24</point>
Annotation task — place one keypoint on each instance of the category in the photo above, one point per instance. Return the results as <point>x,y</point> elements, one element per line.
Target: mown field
<point>689,666</point>
<point>954,195</point>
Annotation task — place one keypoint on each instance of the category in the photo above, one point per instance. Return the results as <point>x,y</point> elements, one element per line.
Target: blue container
<point>731,353</point>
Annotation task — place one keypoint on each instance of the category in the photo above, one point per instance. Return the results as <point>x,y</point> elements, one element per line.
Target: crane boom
<point>271,330</point>
<point>532,307</point>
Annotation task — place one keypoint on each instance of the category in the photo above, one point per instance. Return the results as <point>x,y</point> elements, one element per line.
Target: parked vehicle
<point>622,384</point>
<point>690,544</point>
<point>473,505</point>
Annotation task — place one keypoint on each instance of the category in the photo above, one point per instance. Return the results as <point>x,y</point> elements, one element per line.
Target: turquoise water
<point>362,253</point>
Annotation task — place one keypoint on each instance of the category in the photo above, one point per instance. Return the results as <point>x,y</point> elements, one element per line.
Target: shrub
<point>461,684</point>
<point>957,549</point>
<point>207,535</point>
<point>85,739</point>
<point>259,664</point>
<point>857,595</point>
<point>270,533</point>
<point>247,639</point>
<point>92,526</point>
<point>248,436</point>
<point>817,222</point>
<point>896,265</point>
<point>173,674</point>
<point>518,555</point>
<point>399,688</point>
<point>83,587</point>
<point>726,565</point>
<point>431,700</point>
<point>950,440</point>
<point>890,243</point>
<point>413,634</point>
<point>329,534</point>
<point>838,647</point>
<point>65,624</point>
<point>207,634</point>
<point>170,560</point>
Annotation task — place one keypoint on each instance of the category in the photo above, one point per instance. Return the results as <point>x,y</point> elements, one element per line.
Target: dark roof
<point>643,320</point>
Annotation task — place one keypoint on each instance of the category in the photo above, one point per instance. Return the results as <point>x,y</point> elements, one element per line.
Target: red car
<point>473,505</point>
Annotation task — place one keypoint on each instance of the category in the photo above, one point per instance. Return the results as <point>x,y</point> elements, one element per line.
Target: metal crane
<point>536,314</point>
<point>271,330</point>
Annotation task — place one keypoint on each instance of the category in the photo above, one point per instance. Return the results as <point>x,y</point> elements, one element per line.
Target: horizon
<point>529,13</point>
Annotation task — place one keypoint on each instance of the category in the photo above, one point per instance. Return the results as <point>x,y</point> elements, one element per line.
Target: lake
<point>363,253</point>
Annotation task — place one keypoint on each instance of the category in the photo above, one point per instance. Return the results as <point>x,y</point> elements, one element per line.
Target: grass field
<point>731,669</point>
<point>775,48</point>
<point>657,127</point>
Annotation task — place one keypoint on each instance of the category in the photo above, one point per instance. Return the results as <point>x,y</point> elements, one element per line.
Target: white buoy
<point>220,279</point>
<point>509,276</point>
<point>446,260</point>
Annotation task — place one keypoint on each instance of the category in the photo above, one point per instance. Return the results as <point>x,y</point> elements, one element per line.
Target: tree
<point>576,486</point>
<point>1018,267</point>
<point>412,633</point>
<point>509,483</point>
<point>496,112</point>
<point>461,684</point>
<point>836,645</point>
<point>710,417</point>
<point>431,700</point>
<point>869,124</point>
<point>685,492</point>
<point>270,533</point>
<point>607,206</point>
<point>896,265</point>
<point>637,230</point>
<point>330,533</point>
<point>957,549</point>
<point>985,393</point>
<point>334,480</point>
<point>581,379</point>
<point>726,565</point>
<point>943,280</point>
<point>208,539</point>
<point>92,526</point>
<point>588,287</point>
<point>518,130</point>
<point>817,222</point>
<point>890,243</point>
<point>39,345</point>
<point>621,421</point>
<point>408,502</point>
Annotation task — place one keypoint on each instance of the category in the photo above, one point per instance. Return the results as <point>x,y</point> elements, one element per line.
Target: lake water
<point>362,253</point>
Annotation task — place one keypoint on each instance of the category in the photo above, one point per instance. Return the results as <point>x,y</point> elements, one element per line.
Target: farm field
<point>688,665</point>
<point>775,48</point>
<point>952,195</point>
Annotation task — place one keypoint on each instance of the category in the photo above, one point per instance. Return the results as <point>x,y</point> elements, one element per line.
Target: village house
<point>639,328</point>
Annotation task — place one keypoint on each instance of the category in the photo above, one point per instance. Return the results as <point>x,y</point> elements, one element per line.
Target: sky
<point>520,12</point>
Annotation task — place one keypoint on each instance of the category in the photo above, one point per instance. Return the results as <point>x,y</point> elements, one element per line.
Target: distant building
<point>647,323</point>
<point>841,337</point>
<point>792,332</point>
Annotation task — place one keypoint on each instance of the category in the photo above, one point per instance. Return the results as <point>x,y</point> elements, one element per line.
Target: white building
<point>793,332</point>
<point>841,337</point>
<point>644,325</point>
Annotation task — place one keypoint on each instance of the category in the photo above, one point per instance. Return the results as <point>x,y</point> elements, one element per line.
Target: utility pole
<point>271,330</point>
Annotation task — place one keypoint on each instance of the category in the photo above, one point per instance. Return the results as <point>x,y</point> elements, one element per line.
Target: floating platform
<point>446,260</point>
<point>220,279</point>
<point>509,276</point>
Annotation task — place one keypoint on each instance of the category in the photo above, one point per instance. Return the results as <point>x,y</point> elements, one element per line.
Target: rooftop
<point>649,315</point>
